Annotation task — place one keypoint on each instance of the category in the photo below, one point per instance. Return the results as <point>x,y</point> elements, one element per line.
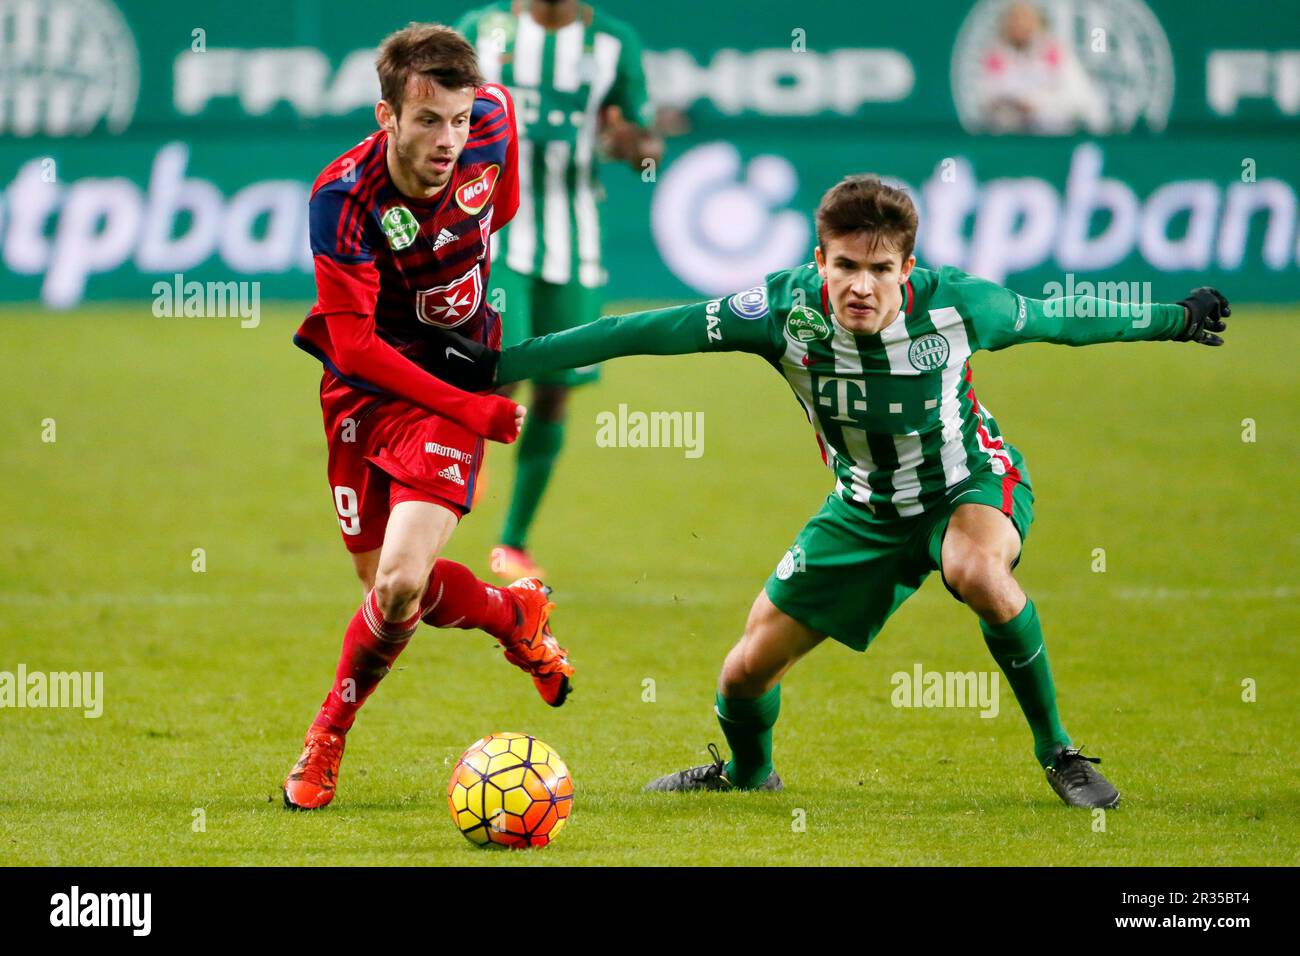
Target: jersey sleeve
<point>628,91</point>
<point>346,277</point>
<point>999,318</point>
<point>712,326</point>
<point>507,189</point>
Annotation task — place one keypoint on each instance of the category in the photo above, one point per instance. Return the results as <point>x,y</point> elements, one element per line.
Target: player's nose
<point>445,137</point>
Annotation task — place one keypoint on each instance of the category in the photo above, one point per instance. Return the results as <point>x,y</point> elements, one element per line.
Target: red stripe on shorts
<point>1009,482</point>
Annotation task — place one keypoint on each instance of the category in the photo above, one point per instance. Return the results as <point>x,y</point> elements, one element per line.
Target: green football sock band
<point>1018,648</point>
<point>747,725</point>
<point>539,446</point>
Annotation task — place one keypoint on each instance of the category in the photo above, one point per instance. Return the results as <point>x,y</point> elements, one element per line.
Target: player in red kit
<point>400,226</point>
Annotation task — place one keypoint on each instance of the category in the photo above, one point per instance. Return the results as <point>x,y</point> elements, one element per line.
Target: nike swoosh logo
<point>1026,663</point>
<point>968,491</point>
<point>451,351</point>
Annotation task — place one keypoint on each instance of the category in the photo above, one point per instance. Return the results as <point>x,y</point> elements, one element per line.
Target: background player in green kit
<point>877,354</point>
<point>577,82</point>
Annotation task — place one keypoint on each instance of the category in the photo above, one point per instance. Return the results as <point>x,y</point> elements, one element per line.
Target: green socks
<point>538,447</point>
<point>1018,648</point>
<point>747,725</point>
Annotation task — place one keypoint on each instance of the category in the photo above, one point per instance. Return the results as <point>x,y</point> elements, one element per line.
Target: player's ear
<point>384,116</point>
<point>820,260</point>
<point>906,272</point>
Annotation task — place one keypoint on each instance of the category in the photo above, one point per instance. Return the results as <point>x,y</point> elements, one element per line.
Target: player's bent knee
<point>759,658</point>
<point>733,680</point>
<point>741,680</point>
<point>975,573</point>
<point>397,588</point>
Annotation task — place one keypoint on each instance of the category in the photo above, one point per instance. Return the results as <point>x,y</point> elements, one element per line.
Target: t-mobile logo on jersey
<point>840,395</point>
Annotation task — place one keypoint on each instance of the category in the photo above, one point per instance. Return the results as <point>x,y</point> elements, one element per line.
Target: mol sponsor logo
<point>474,195</point>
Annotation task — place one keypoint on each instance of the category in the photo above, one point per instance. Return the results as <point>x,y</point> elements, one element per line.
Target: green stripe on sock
<point>747,725</point>
<point>1019,649</point>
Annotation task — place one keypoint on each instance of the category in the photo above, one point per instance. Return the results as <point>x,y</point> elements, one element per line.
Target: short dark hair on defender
<point>431,50</point>
<point>865,204</point>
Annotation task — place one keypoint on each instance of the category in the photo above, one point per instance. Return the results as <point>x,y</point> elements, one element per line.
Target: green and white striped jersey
<point>895,413</point>
<point>559,80</point>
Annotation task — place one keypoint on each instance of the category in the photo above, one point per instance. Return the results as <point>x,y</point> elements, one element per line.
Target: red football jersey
<point>394,266</point>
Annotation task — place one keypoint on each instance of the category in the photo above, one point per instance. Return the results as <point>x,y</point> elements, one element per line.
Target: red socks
<point>454,598</point>
<point>370,645</point>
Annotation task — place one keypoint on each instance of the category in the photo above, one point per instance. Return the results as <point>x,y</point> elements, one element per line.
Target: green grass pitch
<point>177,434</point>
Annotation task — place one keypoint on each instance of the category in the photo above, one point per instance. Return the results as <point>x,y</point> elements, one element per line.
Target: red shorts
<point>385,450</point>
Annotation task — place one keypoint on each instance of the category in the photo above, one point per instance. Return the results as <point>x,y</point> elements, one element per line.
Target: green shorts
<point>848,571</point>
<point>530,307</point>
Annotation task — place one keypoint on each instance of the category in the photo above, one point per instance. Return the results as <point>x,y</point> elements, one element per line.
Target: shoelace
<point>1072,769</point>
<point>312,768</point>
<point>708,770</point>
<point>554,657</point>
<point>547,664</point>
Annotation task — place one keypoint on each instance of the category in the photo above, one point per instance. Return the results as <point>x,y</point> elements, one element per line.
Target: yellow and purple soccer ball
<point>510,790</point>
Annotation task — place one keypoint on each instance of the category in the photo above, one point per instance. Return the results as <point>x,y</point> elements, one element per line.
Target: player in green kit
<point>877,353</point>
<point>579,88</point>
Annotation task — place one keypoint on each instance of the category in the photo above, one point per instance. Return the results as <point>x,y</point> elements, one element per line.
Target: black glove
<point>459,361</point>
<point>1206,310</point>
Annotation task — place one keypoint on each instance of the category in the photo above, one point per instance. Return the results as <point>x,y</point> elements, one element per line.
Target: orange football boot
<point>310,784</point>
<point>510,563</point>
<point>534,648</point>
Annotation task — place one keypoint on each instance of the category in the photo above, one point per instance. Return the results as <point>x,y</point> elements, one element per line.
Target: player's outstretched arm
<point>701,327</point>
<point>1000,317</point>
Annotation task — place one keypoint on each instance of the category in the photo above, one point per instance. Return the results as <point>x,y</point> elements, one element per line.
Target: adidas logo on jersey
<point>452,473</point>
<point>444,237</point>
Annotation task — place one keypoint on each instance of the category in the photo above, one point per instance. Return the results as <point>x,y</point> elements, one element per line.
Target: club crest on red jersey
<point>450,305</point>
<point>474,195</point>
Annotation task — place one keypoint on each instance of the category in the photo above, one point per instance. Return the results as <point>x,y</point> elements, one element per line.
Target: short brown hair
<point>431,50</point>
<point>865,204</point>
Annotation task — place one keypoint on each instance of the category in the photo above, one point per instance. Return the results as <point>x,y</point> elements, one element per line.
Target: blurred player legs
<point>582,88</point>
<point>530,307</point>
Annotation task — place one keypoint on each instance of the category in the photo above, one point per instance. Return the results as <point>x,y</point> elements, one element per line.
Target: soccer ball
<point>510,790</point>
